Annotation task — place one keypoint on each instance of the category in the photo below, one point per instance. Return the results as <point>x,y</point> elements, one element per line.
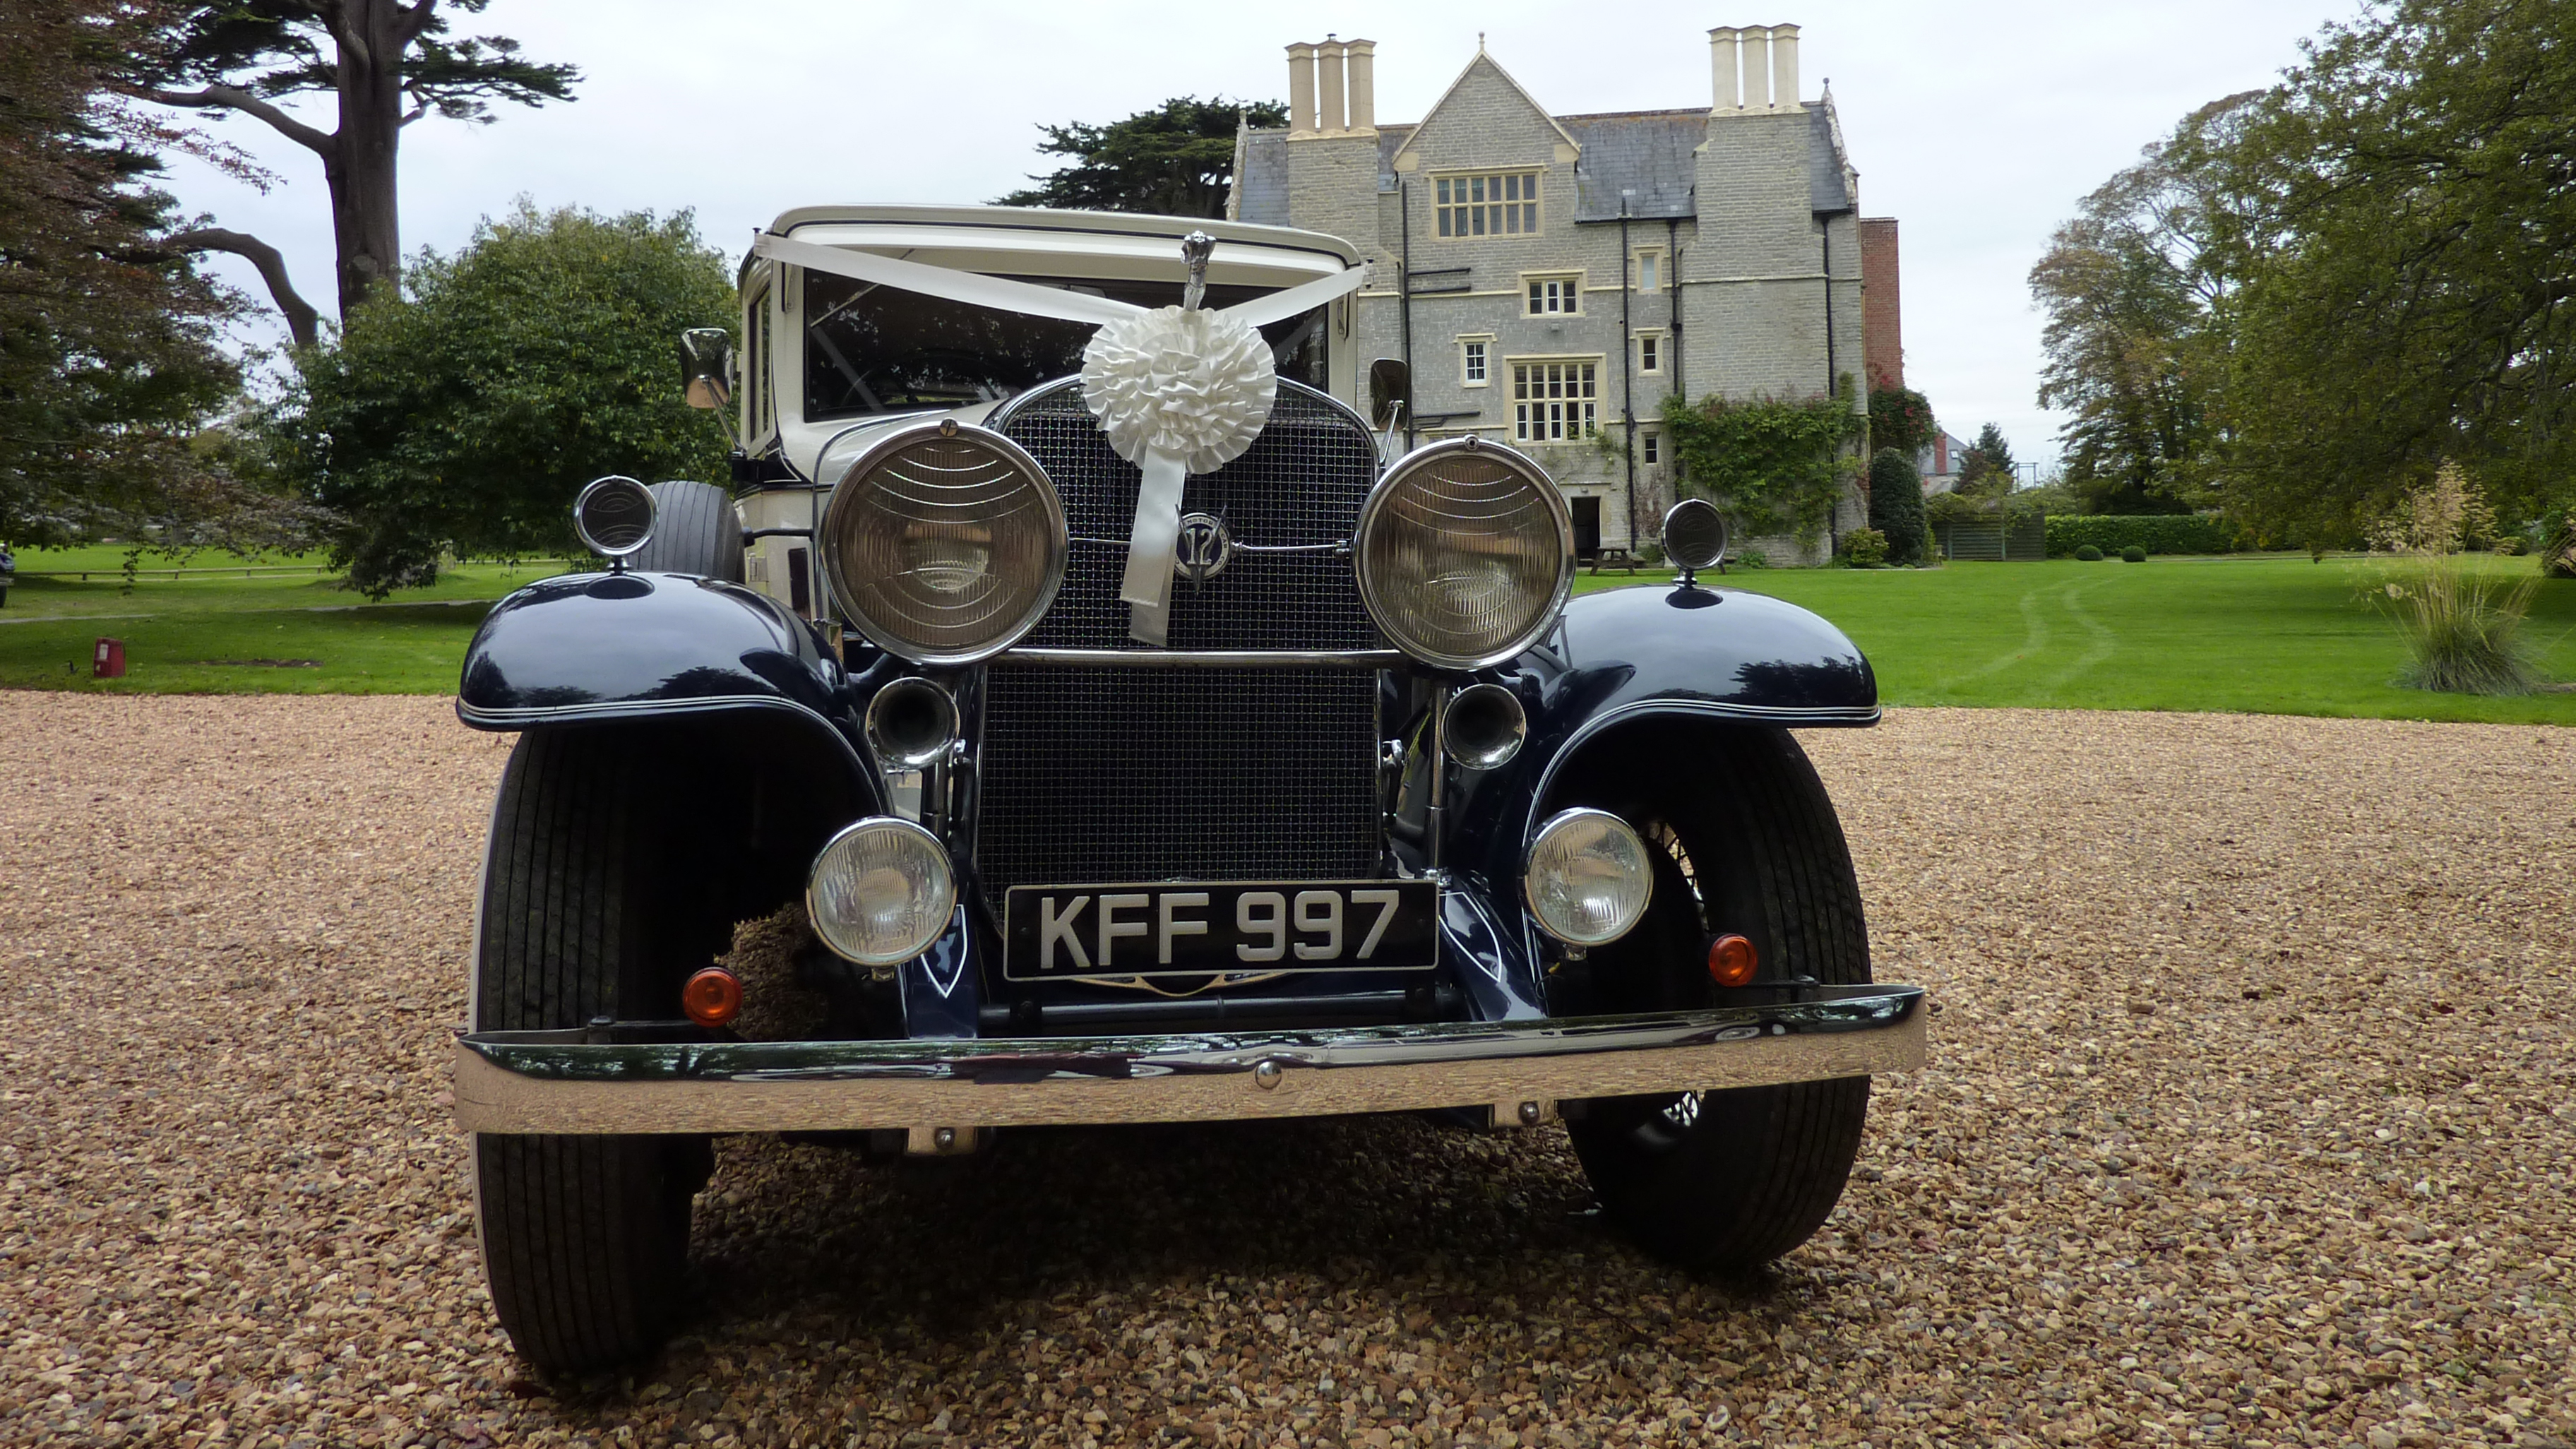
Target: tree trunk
<point>365,220</point>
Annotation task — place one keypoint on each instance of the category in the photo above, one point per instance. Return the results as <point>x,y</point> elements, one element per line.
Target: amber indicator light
<point>1731,961</point>
<point>714,996</point>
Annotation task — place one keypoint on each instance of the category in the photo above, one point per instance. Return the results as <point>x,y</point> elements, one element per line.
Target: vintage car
<point>1252,767</point>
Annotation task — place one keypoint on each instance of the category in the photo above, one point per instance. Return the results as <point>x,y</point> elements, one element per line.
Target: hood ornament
<point>1196,248</point>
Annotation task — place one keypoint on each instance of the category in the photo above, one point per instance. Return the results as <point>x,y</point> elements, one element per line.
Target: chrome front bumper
<point>552,1081</point>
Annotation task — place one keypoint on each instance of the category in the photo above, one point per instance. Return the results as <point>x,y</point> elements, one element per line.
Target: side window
<point>1653,444</point>
<point>1472,361</point>
<point>1650,271</point>
<point>760,410</point>
<point>1555,296</point>
<point>1650,352</point>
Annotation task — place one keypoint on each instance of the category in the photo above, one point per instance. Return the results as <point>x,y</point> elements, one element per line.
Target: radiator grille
<point>1301,482</point>
<point>1099,775</point>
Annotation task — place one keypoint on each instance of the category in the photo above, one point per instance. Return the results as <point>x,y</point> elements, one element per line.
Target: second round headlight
<point>944,542</point>
<point>881,891</point>
<point>1589,877</point>
<point>1465,553</point>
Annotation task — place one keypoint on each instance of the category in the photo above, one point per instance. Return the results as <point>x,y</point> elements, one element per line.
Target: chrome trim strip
<point>1207,658</point>
<point>551,1082</point>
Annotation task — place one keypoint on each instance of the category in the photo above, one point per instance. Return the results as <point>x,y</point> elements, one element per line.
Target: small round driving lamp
<point>1588,878</point>
<point>1465,553</point>
<point>944,542</point>
<point>881,891</point>
<point>614,516</point>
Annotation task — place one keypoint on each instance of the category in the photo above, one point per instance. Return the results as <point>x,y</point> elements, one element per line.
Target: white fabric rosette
<point>1176,392</point>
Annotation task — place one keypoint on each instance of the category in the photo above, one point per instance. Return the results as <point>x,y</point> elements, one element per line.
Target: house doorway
<point>1587,527</point>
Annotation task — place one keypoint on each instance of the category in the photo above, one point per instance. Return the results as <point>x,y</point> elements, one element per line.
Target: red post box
<point>109,662</point>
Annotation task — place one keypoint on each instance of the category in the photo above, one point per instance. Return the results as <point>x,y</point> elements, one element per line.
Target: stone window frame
<point>1566,288</point>
<point>1652,347</point>
<point>1455,216</point>
<point>1586,418</point>
<point>1663,269</point>
<point>1476,354</point>
<point>1650,447</point>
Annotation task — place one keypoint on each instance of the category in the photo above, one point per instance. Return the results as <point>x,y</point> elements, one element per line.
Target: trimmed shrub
<point>1864,548</point>
<point>2154,532</point>
<point>1896,505</point>
<point>2089,554</point>
<point>2133,554</point>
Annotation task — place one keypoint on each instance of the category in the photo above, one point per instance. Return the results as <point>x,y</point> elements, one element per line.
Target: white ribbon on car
<point>1176,391</point>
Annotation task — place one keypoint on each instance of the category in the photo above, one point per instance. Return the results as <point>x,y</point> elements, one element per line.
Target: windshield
<point>873,349</point>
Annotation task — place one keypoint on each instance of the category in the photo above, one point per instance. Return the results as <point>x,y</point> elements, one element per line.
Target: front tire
<point>585,1238</point>
<point>1749,844</point>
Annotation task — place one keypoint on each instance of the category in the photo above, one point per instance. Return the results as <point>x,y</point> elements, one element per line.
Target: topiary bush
<point>2133,554</point>
<point>1865,548</point>
<point>1896,505</point>
<point>2089,554</point>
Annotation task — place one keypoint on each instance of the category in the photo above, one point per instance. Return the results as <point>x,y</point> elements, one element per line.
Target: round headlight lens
<point>614,516</point>
<point>1466,553</point>
<point>881,892</point>
<point>944,542</point>
<point>1589,877</point>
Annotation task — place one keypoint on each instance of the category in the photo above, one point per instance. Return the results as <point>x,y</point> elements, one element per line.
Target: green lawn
<point>295,632</point>
<point>2264,634</point>
<point>2267,634</point>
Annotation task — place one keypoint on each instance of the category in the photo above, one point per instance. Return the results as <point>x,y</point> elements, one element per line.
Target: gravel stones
<point>2252,1121</point>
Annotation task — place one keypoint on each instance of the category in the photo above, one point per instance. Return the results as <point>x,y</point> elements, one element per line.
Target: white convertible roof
<point>1029,241</point>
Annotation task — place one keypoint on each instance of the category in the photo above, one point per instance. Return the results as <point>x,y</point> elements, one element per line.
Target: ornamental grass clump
<point>2462,625</point>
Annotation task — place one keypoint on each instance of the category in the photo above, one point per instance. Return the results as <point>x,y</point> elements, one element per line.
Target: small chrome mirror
<point>1695,536</point>
<point>706,366</point>
<point>1390,387</point>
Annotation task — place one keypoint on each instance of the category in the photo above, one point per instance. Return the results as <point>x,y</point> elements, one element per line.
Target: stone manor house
<point>1552,279</point>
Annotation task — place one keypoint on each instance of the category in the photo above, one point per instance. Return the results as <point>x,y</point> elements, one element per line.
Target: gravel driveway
<point>2252,1121</point>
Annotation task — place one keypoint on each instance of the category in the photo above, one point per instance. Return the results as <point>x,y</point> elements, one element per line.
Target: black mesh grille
<point>1301,482</point>
<point>1098,775</point>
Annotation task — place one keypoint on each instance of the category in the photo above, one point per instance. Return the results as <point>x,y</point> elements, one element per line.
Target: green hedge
<point>2154,532</point>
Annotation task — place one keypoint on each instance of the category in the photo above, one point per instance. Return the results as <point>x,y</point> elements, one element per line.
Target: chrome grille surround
<point>1097,772</point>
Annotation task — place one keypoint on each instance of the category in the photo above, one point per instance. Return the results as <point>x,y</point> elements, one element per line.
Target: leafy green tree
<point>2401,223</point>
<point>2134,351</point>
<point>1896,505</point>
<point>1774,465</point>
<point>1986,471</point>
<point>468,409</point>
<point>1901,418</point>
<point>110,364</point>
<point>1174,160</point>
<point>384,63</point>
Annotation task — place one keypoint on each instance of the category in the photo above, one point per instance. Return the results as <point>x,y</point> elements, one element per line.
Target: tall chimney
<point>1328,69</point>
<point>1722,50</point>
<point>1757,68</point>
<point>1363,54</point>
<point>1784,67</point>
<point>1301,89</point>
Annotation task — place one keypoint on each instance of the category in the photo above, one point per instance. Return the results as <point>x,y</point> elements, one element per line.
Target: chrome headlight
<point>944,542</point>
<point>1465,553</point>
<point>881,891</point>
<point>1589,877</point>
<point>614,516</point>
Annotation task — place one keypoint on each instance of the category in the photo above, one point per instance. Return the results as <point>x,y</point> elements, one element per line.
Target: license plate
<point>1055,933</point>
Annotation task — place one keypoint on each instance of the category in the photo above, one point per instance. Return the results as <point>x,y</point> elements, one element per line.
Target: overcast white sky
<point>1978,127</point>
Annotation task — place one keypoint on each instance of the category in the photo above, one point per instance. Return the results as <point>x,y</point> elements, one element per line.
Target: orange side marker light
<point>1731,961</point>
<point>712,997</point>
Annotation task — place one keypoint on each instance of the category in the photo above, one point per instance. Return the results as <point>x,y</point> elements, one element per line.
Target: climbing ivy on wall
<point>1773,465</point>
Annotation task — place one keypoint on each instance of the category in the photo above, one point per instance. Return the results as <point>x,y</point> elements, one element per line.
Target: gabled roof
<point>1829,171</point>
<point>1469,69</point>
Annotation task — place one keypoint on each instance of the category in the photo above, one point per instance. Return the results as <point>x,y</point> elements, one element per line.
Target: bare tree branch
<point>234,98</point>
<point>300,316</point>
<point>414,114</point>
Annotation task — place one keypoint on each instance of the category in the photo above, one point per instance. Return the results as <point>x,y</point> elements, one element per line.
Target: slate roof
<point>1652,154</point>
<point>1646,152</point>
<point>1262,186</point>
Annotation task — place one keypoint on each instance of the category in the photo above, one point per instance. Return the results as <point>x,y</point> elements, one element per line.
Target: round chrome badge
<point>1205,546</point>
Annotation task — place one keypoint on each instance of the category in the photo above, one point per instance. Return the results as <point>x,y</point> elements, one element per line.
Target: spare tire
<point>695,531</point>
